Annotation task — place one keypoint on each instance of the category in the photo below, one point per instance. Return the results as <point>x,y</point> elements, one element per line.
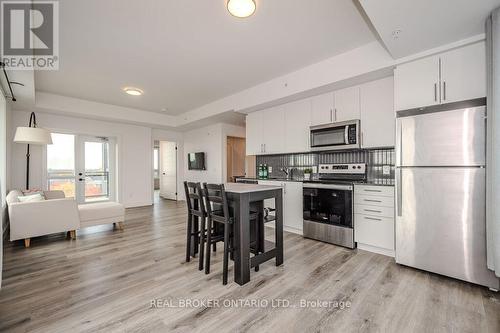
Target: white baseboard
<point>288,229</point>
<point>138,204</point>
<point>375,249</point>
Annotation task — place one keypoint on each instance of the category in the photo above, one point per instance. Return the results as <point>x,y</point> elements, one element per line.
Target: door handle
<point>435,92</point>
<point>444,90</point>
<point>399,189</point>
<point>335,114</point>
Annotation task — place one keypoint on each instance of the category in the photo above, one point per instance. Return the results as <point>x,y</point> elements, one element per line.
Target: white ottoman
<point>101,213</point>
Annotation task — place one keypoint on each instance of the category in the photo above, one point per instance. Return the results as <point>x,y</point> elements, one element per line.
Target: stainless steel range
<point>328,203</point>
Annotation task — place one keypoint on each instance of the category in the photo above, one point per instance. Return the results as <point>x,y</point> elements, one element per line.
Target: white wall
<point>212,141</point>
<point>4,118</point>
<point>134,154</point>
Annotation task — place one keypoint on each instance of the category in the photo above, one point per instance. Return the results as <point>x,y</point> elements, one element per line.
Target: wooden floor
<point>105,281</point>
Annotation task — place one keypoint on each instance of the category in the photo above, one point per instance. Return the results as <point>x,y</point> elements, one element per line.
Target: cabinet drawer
<point>372,200</point>
<point>374,210</point>
<point>374,231</point>
<point>385,191</point>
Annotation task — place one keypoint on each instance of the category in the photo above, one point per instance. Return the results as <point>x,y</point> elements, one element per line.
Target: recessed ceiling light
<point>241,8</point>
<point>133,91</point>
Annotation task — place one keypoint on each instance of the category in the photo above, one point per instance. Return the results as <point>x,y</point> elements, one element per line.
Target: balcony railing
<point>96,184</point>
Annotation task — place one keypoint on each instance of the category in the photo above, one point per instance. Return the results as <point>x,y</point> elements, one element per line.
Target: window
<point>61,164</point>
<point>81,167</point>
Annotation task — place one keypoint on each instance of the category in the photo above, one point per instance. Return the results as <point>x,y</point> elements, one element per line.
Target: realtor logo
<point>30,35</point>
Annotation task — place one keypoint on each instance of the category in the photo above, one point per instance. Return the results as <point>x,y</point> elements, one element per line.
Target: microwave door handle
<point>346,134</point>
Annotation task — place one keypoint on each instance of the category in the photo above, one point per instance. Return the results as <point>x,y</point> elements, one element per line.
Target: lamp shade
<point>33,136</point>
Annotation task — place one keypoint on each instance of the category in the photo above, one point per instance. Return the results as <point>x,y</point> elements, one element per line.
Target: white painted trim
<point>441,49</point>
<point>138,204</point>
<point>375,249</point>
<point>286,228</point>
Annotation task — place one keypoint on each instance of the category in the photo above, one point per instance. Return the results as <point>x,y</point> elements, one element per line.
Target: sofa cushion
<point>31,197</point>
<point>50,195</point>
<point>13,196</point>
<point>100,210</point>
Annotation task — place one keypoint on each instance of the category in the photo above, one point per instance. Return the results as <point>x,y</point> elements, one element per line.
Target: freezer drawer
<point>447,138</point>
<point>440,224</point>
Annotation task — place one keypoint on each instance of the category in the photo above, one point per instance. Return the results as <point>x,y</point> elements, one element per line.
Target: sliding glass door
<point>82,166</point>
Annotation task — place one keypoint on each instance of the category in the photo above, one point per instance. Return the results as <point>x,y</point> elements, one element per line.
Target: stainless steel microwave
<point>335,136</point>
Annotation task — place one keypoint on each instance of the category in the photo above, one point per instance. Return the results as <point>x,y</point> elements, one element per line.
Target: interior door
<point>95,165</point>
<point>168,167</point>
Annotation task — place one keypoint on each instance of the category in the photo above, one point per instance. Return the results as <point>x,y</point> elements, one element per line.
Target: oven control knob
<point>359,166</point>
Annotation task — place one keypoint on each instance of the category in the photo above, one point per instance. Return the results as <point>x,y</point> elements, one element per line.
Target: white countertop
<point>248,188</point>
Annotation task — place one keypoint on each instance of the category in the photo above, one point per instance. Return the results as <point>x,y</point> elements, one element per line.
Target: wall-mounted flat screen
<point>196,161</point>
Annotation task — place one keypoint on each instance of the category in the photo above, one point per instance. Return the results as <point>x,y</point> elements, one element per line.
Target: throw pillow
<point>31,198</point>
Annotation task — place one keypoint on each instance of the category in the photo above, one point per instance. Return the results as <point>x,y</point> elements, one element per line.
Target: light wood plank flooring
<point>105,281</point>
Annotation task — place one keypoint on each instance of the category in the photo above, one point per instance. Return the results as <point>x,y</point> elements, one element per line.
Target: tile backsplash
<point>375,159</point>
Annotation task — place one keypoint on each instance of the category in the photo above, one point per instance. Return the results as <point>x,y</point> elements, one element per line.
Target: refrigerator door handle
<point>399,188</point>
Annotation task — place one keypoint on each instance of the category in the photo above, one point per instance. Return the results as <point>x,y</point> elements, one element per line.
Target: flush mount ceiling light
<point>133,91</point>
<point>241,8</point>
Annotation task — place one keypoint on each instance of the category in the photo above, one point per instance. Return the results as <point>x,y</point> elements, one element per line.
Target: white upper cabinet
<point>448,77</point>
<point>346,104</point>
<point>417,84</point>
<point>297,123</point>
<point>273,127</point>
<point>322,109</point>
<point>377,113</point>
<point>463,73</point>
<point>254,143</point>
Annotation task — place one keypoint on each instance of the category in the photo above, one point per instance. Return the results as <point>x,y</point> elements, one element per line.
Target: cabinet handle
<point>335,114</point>
<point>331,115</point>
<point>372,210</point>
<point>366,190</point>
<point>435,92</point>
<point>444,90</point>
<point>369,200</point>
<point>372,218</point>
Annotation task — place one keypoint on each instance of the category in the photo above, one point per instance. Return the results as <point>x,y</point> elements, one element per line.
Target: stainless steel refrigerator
<point>441,190</point>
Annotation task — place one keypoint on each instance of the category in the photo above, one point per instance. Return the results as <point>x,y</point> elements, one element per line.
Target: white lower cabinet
<point>374,218</point>
<point>292,204</point>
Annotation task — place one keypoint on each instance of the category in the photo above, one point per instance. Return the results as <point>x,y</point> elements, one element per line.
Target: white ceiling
<point>426,24</point>
<point>186,53</point>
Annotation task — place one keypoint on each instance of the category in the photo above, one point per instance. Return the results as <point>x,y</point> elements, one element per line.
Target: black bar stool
<point>196,209</point>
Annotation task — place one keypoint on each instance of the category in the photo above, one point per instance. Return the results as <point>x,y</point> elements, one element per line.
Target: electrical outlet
<point>386,170</point>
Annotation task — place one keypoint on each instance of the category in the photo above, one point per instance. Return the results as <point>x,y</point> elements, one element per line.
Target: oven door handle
<point>346,134</point>
<point>329,186</point>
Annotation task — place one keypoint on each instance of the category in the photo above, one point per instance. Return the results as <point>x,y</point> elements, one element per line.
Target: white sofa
<point>58,214</point>
<point>32,219</point>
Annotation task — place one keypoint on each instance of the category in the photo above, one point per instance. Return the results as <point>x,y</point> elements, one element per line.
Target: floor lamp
<point>31,135</point>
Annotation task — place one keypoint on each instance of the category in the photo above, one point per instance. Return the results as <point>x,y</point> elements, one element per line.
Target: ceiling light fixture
<point>133,91</point>
<point>241,8</point>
